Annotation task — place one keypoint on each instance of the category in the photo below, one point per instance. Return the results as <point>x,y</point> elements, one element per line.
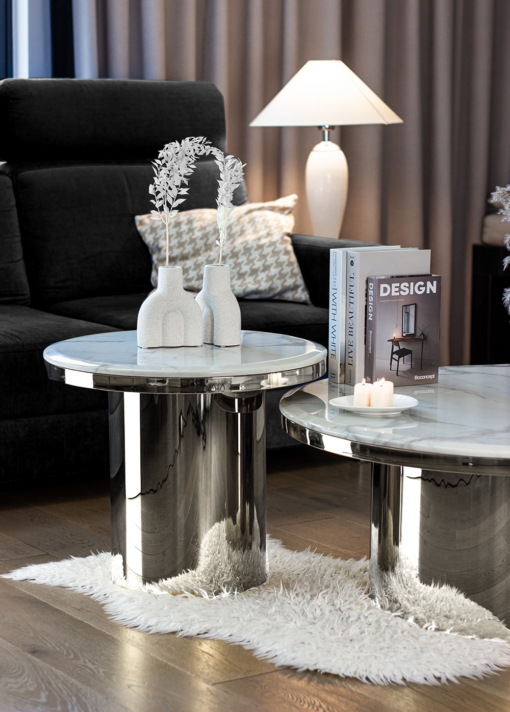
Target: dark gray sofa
<point>76,170</point>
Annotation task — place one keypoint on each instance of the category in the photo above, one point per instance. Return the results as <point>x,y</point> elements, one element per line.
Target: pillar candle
<point>382,394</point>
<point>362,393</point>
<point>273,379</point>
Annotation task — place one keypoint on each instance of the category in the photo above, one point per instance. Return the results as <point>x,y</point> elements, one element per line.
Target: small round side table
<point>187,444</point>
<point>440,478</point>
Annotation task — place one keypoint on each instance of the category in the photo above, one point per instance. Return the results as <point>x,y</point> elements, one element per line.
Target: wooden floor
<point>59,652</point>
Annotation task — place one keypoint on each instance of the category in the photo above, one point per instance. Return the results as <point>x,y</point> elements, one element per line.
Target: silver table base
<point>182,466</point>
<point>444,528</point>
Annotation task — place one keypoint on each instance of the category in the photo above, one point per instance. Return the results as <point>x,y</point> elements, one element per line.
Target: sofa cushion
<point>258,249</point>
<point>25,389</point>
<point>64,446</point>
<point>119,312</point>
<point>78,230</point>
<point>494,230</point>
<point>87,119</point>
<point>303,320</point>
<point>14,287</point>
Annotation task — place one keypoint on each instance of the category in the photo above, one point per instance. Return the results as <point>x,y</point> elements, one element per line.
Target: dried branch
<point>501,196</point>
<point>175,162</point>
<point>231,176</point>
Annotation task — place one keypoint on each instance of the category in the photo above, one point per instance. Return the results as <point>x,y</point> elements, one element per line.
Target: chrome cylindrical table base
<point>443,528</point>
<point>188,487</point>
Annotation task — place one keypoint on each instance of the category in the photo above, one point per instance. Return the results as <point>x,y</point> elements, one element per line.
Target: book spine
<point>351,316</point>
<point>334,306</point>
<point>370,330</point>
<point>342,302</point>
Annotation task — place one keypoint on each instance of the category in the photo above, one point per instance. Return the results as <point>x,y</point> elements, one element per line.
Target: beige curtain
<point>442,65</point>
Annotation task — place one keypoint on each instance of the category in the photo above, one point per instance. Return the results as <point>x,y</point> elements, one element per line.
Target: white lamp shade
<point>325,92</point>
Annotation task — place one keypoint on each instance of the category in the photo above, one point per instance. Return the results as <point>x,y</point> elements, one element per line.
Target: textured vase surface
<point>220,308</point>
<point>169,316</point>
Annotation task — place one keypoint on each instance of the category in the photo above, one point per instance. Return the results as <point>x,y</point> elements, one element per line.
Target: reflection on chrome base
<point>188,490</point>
<point>431,527</point>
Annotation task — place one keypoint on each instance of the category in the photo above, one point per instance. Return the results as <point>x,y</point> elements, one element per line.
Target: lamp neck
<point>326,129</point>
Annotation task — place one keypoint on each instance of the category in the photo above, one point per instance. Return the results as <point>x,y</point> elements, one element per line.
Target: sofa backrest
<point>79,155</point>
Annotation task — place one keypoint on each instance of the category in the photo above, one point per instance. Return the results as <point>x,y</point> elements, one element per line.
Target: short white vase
<point>169,316</point>
<point>220,308</point>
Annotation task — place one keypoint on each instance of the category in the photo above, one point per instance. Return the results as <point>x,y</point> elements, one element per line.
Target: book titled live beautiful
<point>361,266</point>
<point>402,336</point>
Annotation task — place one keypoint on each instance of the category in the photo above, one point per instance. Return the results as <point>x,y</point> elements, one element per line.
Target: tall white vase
<point>169,316</point>
<point>220,308</point>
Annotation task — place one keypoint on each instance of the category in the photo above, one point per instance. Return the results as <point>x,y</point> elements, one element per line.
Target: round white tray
<point>400,404</point>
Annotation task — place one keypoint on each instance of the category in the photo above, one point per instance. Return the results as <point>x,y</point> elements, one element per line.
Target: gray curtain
<point>442,65</point>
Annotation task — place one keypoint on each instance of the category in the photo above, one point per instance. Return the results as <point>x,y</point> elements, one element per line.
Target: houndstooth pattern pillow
<point>258,249</point>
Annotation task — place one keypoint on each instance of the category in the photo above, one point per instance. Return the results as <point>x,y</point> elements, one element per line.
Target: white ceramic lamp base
<point>169,316</point>
<point>327,181</point>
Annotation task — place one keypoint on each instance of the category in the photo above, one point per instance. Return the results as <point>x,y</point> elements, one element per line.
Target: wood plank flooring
<point>59,652</point>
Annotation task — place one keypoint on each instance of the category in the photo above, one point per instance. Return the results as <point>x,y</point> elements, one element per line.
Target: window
<point>5,38</point>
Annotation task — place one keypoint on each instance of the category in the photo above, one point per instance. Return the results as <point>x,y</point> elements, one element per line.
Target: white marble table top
<point>117,354</point>
<point>466,414</point>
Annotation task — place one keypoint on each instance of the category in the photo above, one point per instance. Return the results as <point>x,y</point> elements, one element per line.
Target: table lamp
<point>326,93</point>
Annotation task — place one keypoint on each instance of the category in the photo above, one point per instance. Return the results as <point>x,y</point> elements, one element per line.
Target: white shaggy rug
<point>313,614</point>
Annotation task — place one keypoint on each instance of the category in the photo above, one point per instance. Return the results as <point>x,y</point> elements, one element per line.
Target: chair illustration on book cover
<point>398,353</point>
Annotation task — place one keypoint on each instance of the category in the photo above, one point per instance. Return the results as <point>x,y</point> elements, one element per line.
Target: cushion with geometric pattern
<point>258,249</point>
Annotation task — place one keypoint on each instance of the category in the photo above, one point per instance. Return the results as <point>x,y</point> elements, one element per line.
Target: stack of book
<point>383,315</point>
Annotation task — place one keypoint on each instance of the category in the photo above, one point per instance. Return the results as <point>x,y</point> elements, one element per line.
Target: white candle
<point>273,379</point>
<point>382,394</point>
<point>362,393</point>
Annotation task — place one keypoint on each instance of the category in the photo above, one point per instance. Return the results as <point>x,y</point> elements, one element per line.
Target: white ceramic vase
<point>220,309</point>
<point>169,316</point>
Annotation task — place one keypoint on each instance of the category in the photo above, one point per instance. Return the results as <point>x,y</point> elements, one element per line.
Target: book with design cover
<point>402,342</point>
<point>360,266</point>
<point>338,306</point>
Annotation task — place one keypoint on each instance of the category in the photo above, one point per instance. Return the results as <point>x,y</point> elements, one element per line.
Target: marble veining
<point>467,413</point>
<point>117,354</point>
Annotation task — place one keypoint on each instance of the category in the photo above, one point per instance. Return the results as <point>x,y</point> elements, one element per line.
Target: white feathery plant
<point>502,196</point>
<point>231,176</point>
<point>175,162</point>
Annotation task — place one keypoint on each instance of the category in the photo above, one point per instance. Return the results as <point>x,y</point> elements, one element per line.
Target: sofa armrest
<point>312,254</point>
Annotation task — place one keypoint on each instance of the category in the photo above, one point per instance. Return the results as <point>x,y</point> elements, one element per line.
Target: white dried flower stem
<point>231,176</point>
<point>502,196</point>
<point>174,164</point>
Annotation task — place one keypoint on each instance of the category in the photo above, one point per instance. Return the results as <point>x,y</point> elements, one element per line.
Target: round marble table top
<point>263,360</point>
<point>463,419</point>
